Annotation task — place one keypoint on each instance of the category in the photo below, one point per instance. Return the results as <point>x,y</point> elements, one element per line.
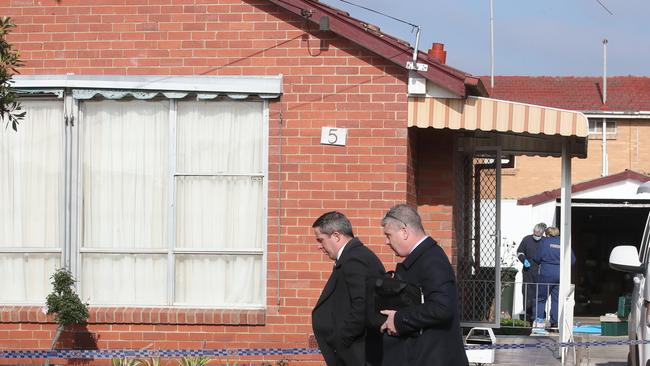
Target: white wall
<point>518,221</point>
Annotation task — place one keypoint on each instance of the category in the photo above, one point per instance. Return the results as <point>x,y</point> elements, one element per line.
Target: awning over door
<point>542,125</point>
<point>475,113</point>
<point>518,129</point>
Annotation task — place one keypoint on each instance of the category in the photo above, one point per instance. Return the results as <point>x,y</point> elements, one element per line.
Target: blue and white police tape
<point>542,344</point>
<point>146,353</point>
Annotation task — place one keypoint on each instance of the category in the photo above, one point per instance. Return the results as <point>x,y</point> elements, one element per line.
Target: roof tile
<point>624,93</point>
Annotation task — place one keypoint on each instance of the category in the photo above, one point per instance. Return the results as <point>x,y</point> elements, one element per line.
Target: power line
<point>378,12</point>
<point>601,4</point>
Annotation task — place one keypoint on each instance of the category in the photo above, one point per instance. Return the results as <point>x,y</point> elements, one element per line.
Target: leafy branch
<point>508,262</point>
<point>10,108</point>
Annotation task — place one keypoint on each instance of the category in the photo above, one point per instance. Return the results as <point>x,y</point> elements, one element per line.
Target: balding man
<point>428,334</point>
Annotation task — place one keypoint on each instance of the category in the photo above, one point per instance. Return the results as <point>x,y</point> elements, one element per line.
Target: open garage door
<point>597,227</point>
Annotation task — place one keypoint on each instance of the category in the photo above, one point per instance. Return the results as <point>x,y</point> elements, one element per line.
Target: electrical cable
<point>601,4</point>
<point>378,12</point>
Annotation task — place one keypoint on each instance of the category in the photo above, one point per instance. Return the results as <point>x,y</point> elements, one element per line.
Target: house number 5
<point>333,136</point>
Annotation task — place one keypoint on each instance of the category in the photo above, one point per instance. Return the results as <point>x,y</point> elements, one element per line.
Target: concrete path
<point>546,354</point>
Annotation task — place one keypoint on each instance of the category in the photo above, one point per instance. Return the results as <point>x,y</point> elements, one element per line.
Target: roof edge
<point>379,43</point>
<point>583,186</point>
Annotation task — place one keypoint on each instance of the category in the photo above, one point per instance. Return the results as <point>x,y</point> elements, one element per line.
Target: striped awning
<point>485,114</point>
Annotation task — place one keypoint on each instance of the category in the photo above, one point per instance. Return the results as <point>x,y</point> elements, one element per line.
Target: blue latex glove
<point>526,263</point>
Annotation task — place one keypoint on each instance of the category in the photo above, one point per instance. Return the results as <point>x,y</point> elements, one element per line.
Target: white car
<point>626,258</point>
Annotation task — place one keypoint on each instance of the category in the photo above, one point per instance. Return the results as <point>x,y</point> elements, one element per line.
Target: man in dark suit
<point>339,319</point>
<point>427,334</point>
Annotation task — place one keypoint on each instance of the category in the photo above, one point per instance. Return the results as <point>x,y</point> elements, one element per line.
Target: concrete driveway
<point>546,353</point>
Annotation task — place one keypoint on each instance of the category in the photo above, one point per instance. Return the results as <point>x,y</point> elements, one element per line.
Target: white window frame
<point>597,130</point>
<point>72,175</point>
<point>171,251</point>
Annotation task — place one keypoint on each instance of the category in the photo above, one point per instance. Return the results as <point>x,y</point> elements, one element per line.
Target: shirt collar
<point>338,255</point>
<point>418,243</point>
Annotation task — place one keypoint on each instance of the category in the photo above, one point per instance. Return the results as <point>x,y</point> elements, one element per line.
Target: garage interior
<point>597,227</point>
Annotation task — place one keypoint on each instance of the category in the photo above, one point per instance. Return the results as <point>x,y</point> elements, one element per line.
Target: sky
<point>543,37</point>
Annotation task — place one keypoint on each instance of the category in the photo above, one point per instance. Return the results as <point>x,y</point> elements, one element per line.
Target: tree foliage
<point>10,109</point>
<point>64,302</point>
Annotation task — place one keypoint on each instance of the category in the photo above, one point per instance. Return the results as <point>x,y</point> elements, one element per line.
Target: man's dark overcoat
<point>429,334</point>
<point>339,319</point>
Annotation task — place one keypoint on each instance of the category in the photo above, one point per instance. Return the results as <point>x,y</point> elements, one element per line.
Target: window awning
<point>534,123</point>
<point>146,87</point>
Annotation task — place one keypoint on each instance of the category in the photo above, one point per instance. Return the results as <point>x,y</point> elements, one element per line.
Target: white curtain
<point>125,170</point>
<point>221,280</point>
<point>123,279</point>
<point>31,178</point>
<point>219,203</point>
<point>125,206</point>
<point>219,211</point>
<point>219,137</point>
<point>31,201</point>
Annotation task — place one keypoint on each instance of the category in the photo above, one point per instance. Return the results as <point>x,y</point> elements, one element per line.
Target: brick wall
<point>627,150</point>
<point>435,185</point>
<point>328,81</point>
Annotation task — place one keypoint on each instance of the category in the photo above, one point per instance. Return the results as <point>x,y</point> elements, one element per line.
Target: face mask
<point>537,238</point>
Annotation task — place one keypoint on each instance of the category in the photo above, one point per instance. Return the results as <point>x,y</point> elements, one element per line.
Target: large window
<point>166,198</point>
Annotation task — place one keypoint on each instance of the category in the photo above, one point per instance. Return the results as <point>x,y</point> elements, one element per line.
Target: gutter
<point>618,114</point>
<point>475,87</point>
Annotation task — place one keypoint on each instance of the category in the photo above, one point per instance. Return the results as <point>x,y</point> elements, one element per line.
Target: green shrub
<point>64,302</point>
<point>513,323</point>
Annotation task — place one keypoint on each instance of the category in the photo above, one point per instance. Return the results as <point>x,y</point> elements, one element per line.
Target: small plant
<point>149,361</point>
<point>125,362</point>
<point>508,261</point>
<point>64,302</point>
<point>193,361</point>
<point>513,323</point>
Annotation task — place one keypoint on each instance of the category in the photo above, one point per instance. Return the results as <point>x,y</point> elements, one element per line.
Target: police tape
<point>147,353</point>
<point>168,353</point>
<point>543,344</point>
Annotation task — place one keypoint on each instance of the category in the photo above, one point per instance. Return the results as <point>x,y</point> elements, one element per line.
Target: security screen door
<point>478,237</point>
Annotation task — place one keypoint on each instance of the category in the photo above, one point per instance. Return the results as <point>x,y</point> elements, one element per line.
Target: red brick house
<point>172,158</point>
